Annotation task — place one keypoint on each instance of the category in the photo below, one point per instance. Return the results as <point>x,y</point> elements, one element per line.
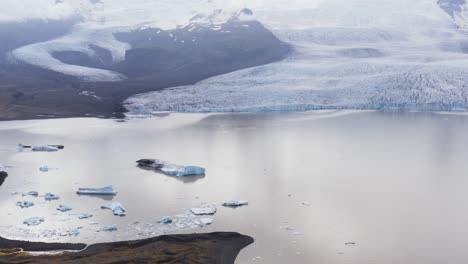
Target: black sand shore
<point>194,248</point>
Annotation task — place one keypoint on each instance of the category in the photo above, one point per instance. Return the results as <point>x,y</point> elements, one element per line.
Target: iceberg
<point>85,216</point>
<point>51,196</point>
<point>74,232</point>
<point>64,208</point>
<point>108,228</point>
<point>42,148</point>
<point>33,221</point>
<point>108,190</point>
<point>117,208</point>
<point>31,193</point>
<point>235,203</point>
<point>24,204</point>
<point>206,210</point>
<point>171,169</point>
<point>44,168</point>
<point>165,220</point>
<point>204,221</point>
<point>3,176</point>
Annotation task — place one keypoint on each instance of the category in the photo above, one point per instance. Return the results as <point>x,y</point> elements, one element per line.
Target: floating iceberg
<point>205,210</point>
<point>117,208</point>
<point>51,196</point>
<point>42,148</point>
<point>44,168</point>
<point>171,169</point>
<point>108,190</point>
<point>204,221</point>
<point>85,216</point>
<point>31,193</point>
<point>24,204</point>
<point>109,228</point>
<point>64,208</point>
<point>34,221</point>
<point>235,203</point>
<point>74,232</point>
<point>165,220</point>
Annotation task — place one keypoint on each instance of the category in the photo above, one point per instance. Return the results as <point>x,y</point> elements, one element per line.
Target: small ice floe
<point>31,193</point>
<point>205,210</point>
<point>74,232</point>
<point>108,228</point>
<point>42,148</point>
<point>117,208</point>
<point>204,221</point>
<point>108,190</point>
<point>44,168</point>
<point>51,196</point>
<point>350,243</point>
<point>4,167</point>
<point>24,204</point>
<point>85,216</point>
<point>33,221</point>
<point>165,220</point>
<point>235,203</point>
<point>306,203</point>
<point>64,208</point>
<point>171,169</point>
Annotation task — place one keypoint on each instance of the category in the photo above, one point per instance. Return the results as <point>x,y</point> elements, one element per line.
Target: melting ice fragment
<point>204,221</point>
<point>24,204</point>
<point>42,148</point>
<point>74,232</point>
<point>171,169</point>
<point>33,221</point>
<point>109,228</point>
<point>206,210</point>
<point>44,168</point>
<point>108,190</point>
<point>64,208</point>
<point>117,208</point>
<point>85,216</point>
<point>31,193</point>
<point>165,220</point>
<point>235,203</point>
<point>51,196</point>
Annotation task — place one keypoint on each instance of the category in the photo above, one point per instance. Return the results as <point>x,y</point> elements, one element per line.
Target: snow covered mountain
<point>379,54</point>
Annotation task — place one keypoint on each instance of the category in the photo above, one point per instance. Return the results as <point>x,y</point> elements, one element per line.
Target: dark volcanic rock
<point>3,176</point>
<point>215,248</point>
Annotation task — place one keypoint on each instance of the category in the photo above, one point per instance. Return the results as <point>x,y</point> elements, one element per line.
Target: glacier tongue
<point>358,54</point>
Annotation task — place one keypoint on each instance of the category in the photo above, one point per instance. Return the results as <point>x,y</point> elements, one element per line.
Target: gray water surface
<point>393,183</point>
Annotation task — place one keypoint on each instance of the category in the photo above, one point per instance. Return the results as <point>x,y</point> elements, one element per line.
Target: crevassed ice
<point>356,54</point>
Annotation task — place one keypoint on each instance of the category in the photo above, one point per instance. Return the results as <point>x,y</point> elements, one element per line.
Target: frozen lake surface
<point>323,187</point>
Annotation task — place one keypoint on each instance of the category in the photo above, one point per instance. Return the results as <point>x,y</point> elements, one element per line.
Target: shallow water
<point>393,183</point>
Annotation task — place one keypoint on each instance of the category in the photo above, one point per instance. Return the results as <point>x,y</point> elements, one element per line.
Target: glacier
<point>99,20</point>
<point>356,54</point>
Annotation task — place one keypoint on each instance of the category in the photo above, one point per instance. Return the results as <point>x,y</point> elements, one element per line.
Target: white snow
<point>356,54</point>
<point>101,20</point>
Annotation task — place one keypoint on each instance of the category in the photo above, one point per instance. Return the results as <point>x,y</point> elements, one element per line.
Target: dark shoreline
<point>220,247</point>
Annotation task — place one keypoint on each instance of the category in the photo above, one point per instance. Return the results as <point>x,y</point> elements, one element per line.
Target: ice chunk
<point>33,221</point>
<point>117,208</point>
<point>74,232</point>
<point>64,208</point>
<point>306,203</point>
<point>42,148</point>
<point>206,210</point>
<point>171,169</point>
<point>108,190</point>
<point>31,193</point>
<point>85,216</point>
<point>24,204</point>
<point>109,228</point>
<point>204,221</point>
<point>51,196</point>
<point>165,220</point>
<point>44,168</point>
<point>235,203</point>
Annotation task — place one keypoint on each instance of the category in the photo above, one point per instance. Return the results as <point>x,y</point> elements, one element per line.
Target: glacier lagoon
<point>322,186</point>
